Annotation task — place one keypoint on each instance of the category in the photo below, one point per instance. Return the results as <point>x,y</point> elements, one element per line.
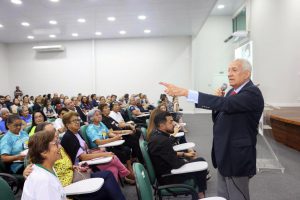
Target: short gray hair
<point>91,114</point>
<point>3,110</point>
<point>246,65</point>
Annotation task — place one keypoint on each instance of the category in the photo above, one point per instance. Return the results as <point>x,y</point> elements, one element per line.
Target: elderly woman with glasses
<point>12,143</point>
<point>98,134</point>
<point>65,170</point>
<point>42,183</point>
<point>77,149</point>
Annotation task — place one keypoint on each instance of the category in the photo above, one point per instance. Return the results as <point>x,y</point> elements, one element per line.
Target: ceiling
<point>230,7</point>
<point>164,18</point>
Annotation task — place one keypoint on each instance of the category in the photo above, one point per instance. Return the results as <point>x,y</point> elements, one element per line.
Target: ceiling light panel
<point>53,22</point>
<point>30,37</point>
<point>81,20</point>
<point>111,19</point>
<point>142,17</point>
<point>52,36</point>
<point>75,34</point>
<point>17,2</point>
<point>25,24</point>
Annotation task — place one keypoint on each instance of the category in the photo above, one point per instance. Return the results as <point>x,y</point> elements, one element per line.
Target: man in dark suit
<point>236,116</point>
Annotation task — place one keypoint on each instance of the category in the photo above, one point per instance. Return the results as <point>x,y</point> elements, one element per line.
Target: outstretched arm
<point>174,90</point>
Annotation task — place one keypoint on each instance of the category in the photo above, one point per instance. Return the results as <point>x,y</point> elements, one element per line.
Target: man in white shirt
<point>58,124</point>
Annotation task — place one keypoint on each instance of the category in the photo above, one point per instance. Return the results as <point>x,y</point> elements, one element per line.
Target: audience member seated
<point>15,107</point>
<point>38,104</point>
<point>4,113</point>
<point>94,101</point>
<point>164,158</point>
<point>25,116</point>
<point>2,102</point>
<point>48,110</point>
<point>98,134</point>
<point>27,103</point>
<point>8,102</point>
<point>37,118</point>
<point>85,104</point>
<point>151,127</point>
<point>134,109</point>
<point>71,107</point>
<point>68,173</point>
<point>43,183</point>
<point>77,149</point>
<point>131,140</point>
<point>12,143</point>
<point>58,123</point>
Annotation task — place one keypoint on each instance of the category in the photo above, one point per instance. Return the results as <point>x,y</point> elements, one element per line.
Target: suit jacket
<point>235,128</point>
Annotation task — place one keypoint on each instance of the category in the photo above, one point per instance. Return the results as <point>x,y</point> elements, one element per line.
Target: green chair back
<point>143,185</point>
<point>5,191</point>
<point>84,135</point>
<point>144,132</point>
<point>147,161</point>
<point>129,114</point>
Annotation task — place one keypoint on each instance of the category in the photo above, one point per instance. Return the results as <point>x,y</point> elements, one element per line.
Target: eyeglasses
<point>57,143</point>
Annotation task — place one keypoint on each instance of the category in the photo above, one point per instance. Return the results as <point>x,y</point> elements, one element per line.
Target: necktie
<point>232,93</point>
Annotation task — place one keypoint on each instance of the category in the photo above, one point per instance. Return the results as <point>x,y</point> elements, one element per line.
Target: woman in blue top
<point>12,143</point>
<point>25,116</point>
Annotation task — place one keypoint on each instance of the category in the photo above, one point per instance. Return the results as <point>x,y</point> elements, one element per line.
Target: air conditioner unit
<point>49,48</point>
<point>238,35</point>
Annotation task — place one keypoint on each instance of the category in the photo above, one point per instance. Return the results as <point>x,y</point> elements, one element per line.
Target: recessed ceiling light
<point>142,17</point>
<point>147,31</point>
<point>25,24</point>
<point>111,19</point>
<point>54,1</point>
<point>18,2</point>
<point>122,32</point>
<point>1,26</point>
<point>30,37</point>
<point>75,34</point>
<point>221,6</point>
<point>98,33</point>
<point>52,36</point>
<point>53,22</point>
<point>81,20</point>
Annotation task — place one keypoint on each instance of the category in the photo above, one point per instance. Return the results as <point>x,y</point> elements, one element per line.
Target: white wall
<point>103,66</point>
<point>68,72</point>
<point>210,54</point>
<point>4,85</point>
<point>275,31</point>
<point>139,64</point>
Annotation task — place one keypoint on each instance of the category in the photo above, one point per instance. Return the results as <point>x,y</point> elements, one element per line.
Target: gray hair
<point>246,65</point>
<point>3,110</point>
<point>91,114</point>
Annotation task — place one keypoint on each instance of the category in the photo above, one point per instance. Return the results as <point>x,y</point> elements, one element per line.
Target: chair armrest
<point>12,182</point>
